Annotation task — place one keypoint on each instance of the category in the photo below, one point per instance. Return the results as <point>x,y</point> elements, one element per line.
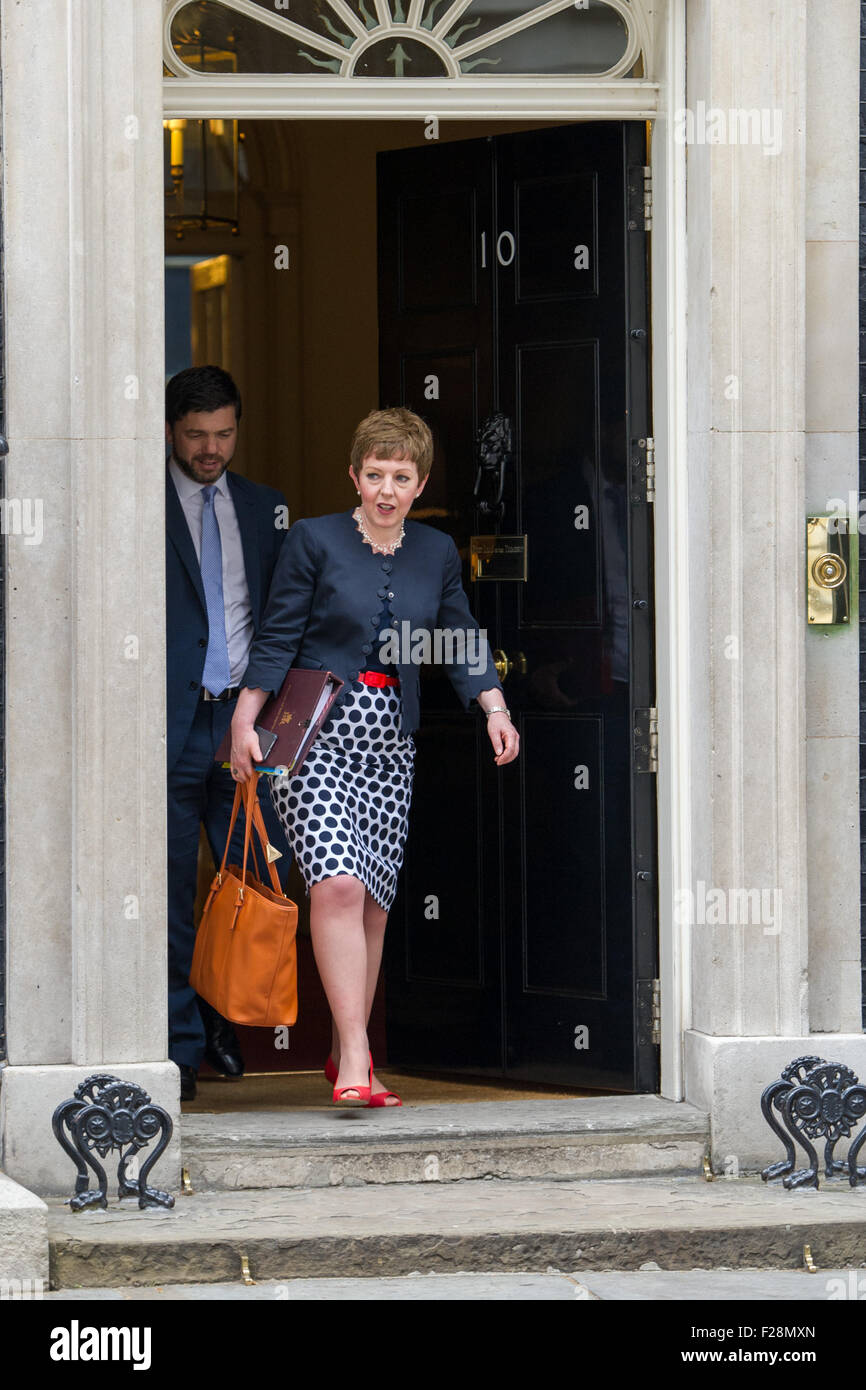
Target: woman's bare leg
<point>375,921</point>
<point>338,929</point>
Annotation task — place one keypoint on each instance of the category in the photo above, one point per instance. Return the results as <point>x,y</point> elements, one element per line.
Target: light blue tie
<point>217,672</point>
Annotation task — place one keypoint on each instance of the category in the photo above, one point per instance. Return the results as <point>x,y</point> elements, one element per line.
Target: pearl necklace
<point>378,547</point>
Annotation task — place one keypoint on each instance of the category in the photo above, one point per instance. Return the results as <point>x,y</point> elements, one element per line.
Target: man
<point>223,536</point>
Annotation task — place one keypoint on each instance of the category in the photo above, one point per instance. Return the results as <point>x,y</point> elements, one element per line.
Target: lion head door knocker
<point>494,452</point>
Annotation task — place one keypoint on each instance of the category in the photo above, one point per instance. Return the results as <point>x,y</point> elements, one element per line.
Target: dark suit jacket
<point>327,595</point>
<point>186,610</point>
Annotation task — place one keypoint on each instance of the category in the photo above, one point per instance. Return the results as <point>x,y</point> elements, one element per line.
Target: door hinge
<point>643,470</point>
<point>649,1014</point>
<point>650,470</point>
<point>640,198</point>
<point>646,739</point>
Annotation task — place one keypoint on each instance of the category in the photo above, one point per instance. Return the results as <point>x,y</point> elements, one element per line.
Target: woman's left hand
<point>504,737</point>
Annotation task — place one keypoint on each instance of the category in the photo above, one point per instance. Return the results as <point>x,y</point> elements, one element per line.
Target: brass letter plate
<point>498,557</point>
<point>828,570</point>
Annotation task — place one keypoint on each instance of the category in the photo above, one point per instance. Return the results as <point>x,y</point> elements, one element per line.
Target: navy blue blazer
<point>186,610</point>
<point>326,599</point>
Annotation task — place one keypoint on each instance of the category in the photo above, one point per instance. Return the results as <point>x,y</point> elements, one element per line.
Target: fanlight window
<point>407,38</point>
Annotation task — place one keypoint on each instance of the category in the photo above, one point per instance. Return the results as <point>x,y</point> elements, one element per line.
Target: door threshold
<point>302,1090</point>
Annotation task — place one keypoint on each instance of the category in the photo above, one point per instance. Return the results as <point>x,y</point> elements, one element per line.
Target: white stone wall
<point>773,353</point>
<point>85,657</point>
<point>831,453</point>
<point>746,387</point>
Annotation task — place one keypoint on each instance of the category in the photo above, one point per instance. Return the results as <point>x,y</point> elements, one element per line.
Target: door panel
<point>517,942</point>
<point>569,829</point>
<point>437,272</point>
<point>443,937</point>
<point>448,385</point>
<point>557,255</point>
<point>558,451</point>
<point>446,885</point>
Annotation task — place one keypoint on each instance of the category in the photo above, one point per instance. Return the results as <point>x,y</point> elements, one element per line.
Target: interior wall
<point>265,341</point>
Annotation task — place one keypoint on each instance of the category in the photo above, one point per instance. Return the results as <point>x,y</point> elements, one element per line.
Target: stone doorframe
<point>557,99</point>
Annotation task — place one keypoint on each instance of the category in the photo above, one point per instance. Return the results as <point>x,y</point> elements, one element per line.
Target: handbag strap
<point>255,818</point>
<point>252,816</point>
<point>259,821</point>
<point>234,816</point>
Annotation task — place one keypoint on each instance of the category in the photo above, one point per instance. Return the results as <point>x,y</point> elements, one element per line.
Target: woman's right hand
<point>245,751</point>
<point>246,748</point>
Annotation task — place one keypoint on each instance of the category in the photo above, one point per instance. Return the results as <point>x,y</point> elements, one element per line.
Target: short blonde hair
<point>396,433</point>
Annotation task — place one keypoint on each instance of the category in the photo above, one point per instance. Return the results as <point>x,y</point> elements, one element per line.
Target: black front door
<point>513,284</point>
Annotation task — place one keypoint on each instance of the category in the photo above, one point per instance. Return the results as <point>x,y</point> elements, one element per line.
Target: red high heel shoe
<point>362,1096</point>
<point>377,1101</point>
<point>381,1099</point>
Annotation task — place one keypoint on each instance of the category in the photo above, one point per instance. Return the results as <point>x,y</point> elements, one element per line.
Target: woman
<point>342,589</point>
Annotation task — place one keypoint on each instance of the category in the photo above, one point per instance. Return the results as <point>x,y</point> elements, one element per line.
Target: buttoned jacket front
<point>325,601</point>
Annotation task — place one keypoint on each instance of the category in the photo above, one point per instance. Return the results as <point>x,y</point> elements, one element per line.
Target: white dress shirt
<point>236,593</point>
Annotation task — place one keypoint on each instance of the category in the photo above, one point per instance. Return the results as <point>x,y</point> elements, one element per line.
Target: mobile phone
<point>267,739</point>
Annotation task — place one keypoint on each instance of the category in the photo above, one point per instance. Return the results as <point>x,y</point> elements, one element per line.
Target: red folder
<point>295,715</point>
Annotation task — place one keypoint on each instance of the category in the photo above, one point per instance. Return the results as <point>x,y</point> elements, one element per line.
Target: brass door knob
<point>504,665</point>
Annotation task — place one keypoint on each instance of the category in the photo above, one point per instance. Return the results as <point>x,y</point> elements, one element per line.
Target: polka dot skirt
<point>347,810</point>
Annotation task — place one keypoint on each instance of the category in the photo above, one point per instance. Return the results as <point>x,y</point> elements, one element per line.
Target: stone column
<point>755,377</point>
<point>82,109</point>
<point>832,477</point>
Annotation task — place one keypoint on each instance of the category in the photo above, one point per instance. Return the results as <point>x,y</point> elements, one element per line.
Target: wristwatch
<point>497,709</point>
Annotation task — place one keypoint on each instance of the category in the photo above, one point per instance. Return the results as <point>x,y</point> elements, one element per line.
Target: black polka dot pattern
<point>347,810</point>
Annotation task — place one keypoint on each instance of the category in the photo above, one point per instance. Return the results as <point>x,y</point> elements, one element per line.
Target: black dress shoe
<point>222,1049</point>
<point>187,1082</point>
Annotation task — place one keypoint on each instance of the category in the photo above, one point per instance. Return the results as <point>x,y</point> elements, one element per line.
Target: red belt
<point>377,678</point>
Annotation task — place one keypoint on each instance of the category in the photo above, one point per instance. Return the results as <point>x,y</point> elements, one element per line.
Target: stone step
<point>390,1230</point>
<point>585,1137</point>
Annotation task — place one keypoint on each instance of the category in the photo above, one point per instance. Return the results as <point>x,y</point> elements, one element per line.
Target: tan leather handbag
<point>245,961</point>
